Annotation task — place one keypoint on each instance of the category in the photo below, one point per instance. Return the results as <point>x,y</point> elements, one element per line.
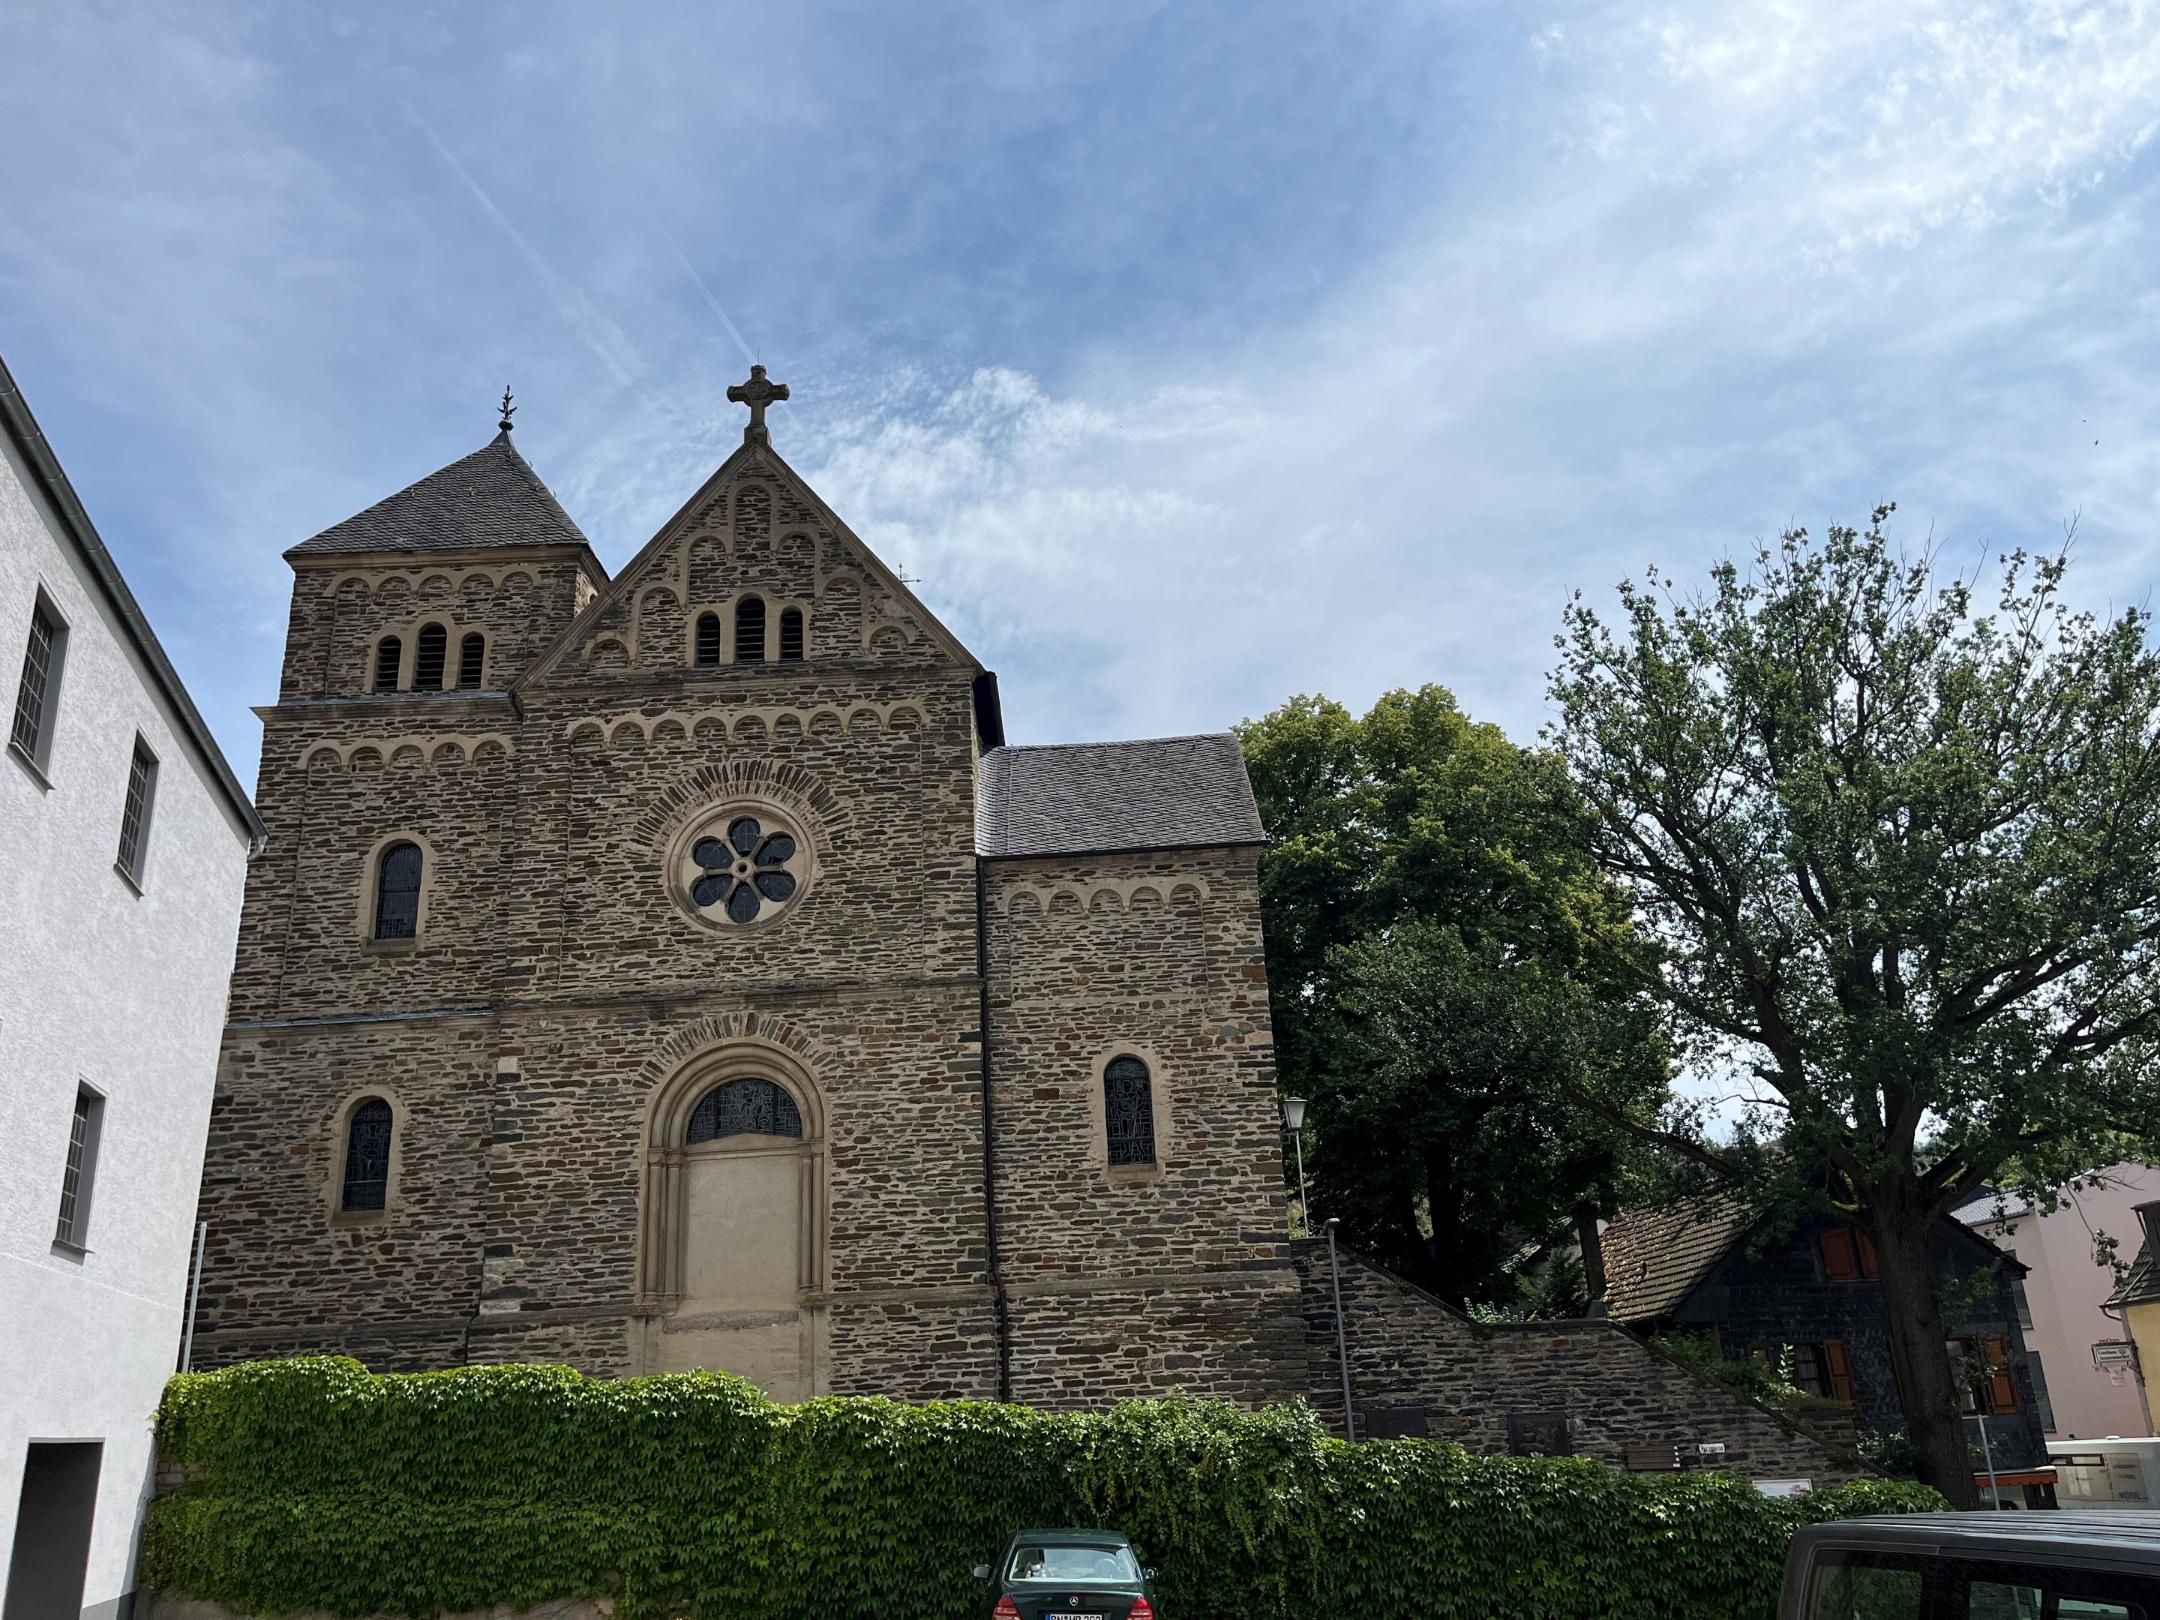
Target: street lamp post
<point>1293,1109</point>
<point>1293,1113</point>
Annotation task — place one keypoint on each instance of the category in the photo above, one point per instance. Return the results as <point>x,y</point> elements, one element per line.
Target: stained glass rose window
<point>744,868</point>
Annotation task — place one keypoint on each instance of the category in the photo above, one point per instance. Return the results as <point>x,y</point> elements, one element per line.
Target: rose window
<point>746,871</point>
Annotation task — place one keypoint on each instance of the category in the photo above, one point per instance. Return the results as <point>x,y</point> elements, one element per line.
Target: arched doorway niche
<point>732,1237</point>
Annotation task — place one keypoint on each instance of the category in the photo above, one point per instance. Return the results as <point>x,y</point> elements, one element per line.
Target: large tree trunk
<point>1900,1225</point>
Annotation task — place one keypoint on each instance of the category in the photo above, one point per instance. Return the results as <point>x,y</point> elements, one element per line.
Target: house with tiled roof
<point>1803,1293</point>
<point>2136,1302</point>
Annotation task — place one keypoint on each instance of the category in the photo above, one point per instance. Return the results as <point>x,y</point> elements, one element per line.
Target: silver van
<point>1976,1566</point>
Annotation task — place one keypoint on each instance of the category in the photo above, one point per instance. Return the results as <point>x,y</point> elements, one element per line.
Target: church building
<point>678,969</point>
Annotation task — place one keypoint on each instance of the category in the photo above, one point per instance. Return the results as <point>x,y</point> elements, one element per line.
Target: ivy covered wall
<point>313,1484</point>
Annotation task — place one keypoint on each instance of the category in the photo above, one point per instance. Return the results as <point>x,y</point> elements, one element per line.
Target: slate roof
<point>1654,1258</point>
<point>1096,798</point>
<point>490,498</point>
<point>2139,1284</point>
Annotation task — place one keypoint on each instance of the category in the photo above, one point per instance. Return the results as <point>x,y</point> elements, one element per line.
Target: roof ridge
<point>1115,742</point>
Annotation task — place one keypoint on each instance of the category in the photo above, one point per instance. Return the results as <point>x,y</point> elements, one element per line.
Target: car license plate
<point>1074,1614</point>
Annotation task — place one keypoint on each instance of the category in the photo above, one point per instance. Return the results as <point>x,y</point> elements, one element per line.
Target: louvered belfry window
<point>791,635</point>
<point>388,653</point>
<point>1129,1111</point>
<point>472,659</point>
<point>367,1156</point>
<point>750,630</point>
<point>708,638</point>
<point>33,693</point>
<point>397,893</point>
<point>744,1108</point>
<point>430,652</point>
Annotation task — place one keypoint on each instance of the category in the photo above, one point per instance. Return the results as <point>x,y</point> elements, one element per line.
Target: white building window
<point>80,1173</point>
<point>37,693</point>
<point>135,813</point>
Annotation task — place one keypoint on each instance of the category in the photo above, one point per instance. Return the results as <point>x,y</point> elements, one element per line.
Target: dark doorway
<point>52,1530</point>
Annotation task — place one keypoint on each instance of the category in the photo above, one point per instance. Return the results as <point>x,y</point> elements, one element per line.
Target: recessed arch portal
<point>732,1222</point>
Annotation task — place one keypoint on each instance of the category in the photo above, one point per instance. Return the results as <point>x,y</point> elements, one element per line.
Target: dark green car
<point>1068,1575</point>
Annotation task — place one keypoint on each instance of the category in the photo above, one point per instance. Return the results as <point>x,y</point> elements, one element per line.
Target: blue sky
<point>1190,355</point>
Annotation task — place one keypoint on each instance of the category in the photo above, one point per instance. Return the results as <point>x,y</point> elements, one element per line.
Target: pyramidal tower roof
<point>490,498</point>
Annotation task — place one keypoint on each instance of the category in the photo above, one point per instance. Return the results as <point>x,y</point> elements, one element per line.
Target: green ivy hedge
<point>314,1484</point>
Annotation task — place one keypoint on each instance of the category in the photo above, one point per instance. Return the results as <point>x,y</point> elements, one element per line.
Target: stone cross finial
<point>757,393</point>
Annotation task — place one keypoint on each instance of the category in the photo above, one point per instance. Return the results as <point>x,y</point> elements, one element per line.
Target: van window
<point>1858,1588</point>
<point>1851,1585</point>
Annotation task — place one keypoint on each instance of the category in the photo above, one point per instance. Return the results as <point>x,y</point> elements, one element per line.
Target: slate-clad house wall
<point>1709,1267</point>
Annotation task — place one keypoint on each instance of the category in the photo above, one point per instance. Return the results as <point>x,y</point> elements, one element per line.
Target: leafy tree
<point>1423,897</point>
<point>1898,859</point>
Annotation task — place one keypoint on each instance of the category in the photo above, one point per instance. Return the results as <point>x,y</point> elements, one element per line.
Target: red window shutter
<point>1837,1371</point>
<point>1839,1261</point>
<point>2002,1383</point>
<point>1867,1257</point>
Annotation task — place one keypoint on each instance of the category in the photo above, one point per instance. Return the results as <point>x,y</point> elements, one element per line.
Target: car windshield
<point>1083,1564</point>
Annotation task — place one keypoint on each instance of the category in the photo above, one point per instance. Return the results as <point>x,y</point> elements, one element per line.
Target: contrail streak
<point>594,330</point>
<point>691,270</point>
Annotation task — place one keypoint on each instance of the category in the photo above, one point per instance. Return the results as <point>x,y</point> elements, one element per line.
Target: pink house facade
<point>2092,1384</point>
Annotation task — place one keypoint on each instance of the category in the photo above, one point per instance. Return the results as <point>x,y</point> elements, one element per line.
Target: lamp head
<point>1293,1112</point>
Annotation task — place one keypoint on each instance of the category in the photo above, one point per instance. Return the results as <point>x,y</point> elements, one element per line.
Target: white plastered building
<point>124,842</point>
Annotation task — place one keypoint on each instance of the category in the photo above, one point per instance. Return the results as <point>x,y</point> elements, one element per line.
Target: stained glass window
<point>472,656</point>
<point>791,634</point>
<point>367,1155</point>
<point>744,1108</point>
<point>388,653</point>
<point>708,638</point>
<point>750,630</point>
<point>397,893</point>
<point>1129,1111</point>
<point>748,872</point>
<point>430,653</point>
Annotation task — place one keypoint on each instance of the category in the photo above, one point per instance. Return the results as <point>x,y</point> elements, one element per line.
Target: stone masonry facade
<point>555,983</point>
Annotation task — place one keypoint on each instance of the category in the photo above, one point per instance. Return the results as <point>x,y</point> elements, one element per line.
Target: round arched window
<point>742,866</point>
<point>744,1108</point>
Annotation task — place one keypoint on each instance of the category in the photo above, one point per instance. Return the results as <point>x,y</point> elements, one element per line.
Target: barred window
<point>744,1108</point>
<point>367,1156</point>
<point>389,653</point>
<point>135,813</point>
<point>430,653</point>
<point>708,638</point>
<point>791,635</point>
<point>1129,1111</point>
<point>750,630</point>
<point>472,658</point>
<point>38,690</point>
<point>397,892</point>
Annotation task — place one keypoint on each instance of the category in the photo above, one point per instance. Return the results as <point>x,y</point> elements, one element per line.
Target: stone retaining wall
<point>1419,1366</point>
